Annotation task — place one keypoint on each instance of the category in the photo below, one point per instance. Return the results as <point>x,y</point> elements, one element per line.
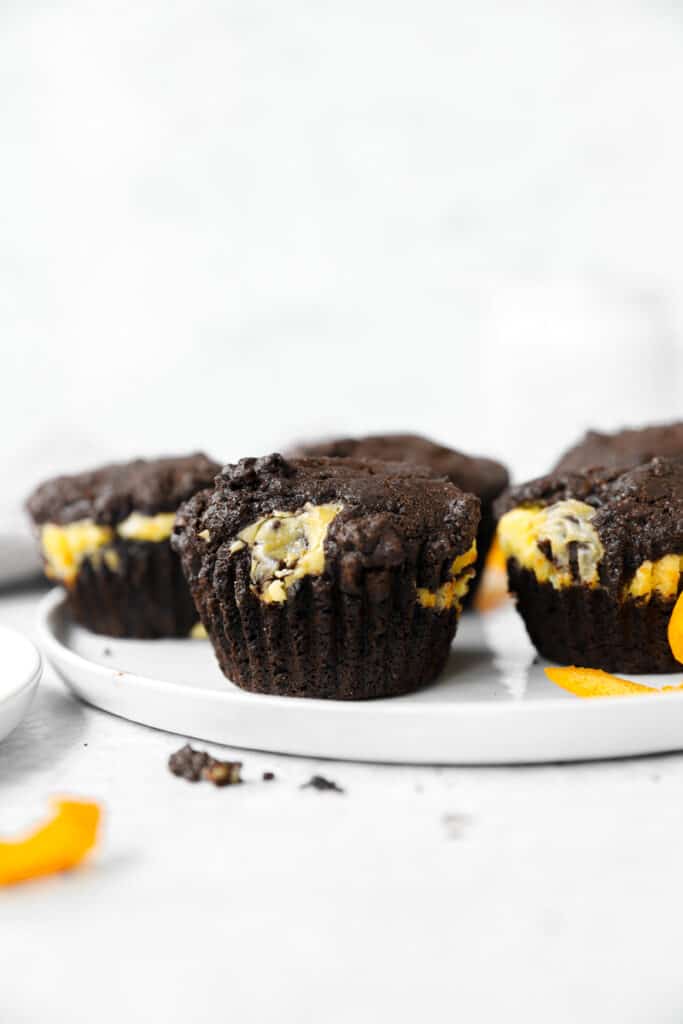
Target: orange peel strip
<point>593,682</point>
<point>495,558</point>
<point>59,845</point>
<point>493,589</point>
<point>675,630</point>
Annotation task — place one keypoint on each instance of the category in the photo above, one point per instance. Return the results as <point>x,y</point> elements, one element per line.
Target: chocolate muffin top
<point>109,494</point>
<point>483,477</point>
<point>387,512</point>
<point>638,511</point>
<point>624,448</point>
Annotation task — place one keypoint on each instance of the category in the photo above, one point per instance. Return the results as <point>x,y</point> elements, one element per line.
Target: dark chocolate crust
<point>588,627</point>
<point>356,631</point>
<point>639,517</point>
<point>639,512</point>
<point>147,597</point>
<point>475,474</point>
<point>109,494</point>
<point>624,448</point>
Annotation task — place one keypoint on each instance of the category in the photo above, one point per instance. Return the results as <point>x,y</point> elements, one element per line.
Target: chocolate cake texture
<point>595,559</point>
<point>328,577</point>
<point>477,475</point>
<point>625,448</point>
<point>105,535</point>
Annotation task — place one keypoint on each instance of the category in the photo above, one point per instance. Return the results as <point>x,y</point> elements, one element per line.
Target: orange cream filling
<point>66,546</point>
<point>529,534</point>
<point>451,593</point>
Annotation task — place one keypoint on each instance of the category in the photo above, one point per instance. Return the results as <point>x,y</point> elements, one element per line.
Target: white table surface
<point>449,196</point>
<point>552,892</point>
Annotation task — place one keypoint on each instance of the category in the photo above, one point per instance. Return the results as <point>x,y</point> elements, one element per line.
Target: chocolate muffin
<point>483,477</point>
<point>105,535</point>
<point>595,561</point>
<point>321,577</point>
<point>625,448</point>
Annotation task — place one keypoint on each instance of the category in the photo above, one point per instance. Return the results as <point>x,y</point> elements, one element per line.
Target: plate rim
<point>486,731</point>
<point>54,603</point>
<point>37,670</point>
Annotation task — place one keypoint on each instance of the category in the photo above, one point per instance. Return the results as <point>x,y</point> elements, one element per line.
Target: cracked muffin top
<point>110,494</point>
<point>481,476</point>
<point>624,448</point>
<point>366,513</point>
<point>629,517</point>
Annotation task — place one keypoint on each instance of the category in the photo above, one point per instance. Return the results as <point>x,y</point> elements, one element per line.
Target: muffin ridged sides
<point>324,642</point>
<point>590,627</point>
<point>146,597</point>
<point>338,614</point>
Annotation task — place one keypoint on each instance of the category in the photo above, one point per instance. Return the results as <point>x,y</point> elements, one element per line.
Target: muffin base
<point>146,597</point>
<point>325,643</point>
<point>588,627</point>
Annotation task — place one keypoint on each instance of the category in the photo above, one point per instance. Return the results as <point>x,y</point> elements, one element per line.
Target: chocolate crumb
<point>197,765</point>
<point>268,776</point>
<point>223,773</point>
<point>321,783</point>
<point>456,825</point>
<point>107,652</point>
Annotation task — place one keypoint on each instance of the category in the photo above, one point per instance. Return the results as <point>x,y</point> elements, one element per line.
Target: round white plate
<point>492,705</point>
<point>20,670</point>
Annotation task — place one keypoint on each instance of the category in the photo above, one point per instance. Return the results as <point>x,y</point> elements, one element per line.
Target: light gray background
<point>230,224</point>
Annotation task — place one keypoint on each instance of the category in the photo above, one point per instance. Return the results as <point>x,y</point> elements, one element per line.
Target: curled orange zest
<point>593,682</point>
<point>675,630</point>
<point>493,589</point>
<point>60,844</point>
<point>495,558</point>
